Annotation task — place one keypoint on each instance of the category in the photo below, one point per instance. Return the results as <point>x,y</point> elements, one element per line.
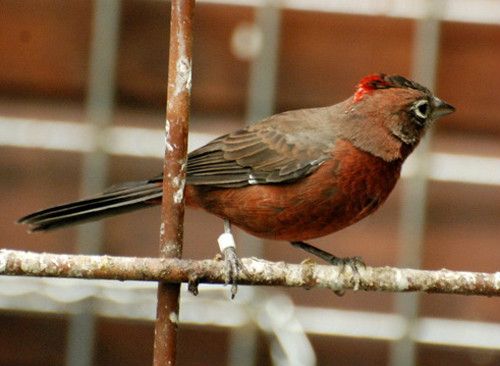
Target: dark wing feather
<point>280,149</point>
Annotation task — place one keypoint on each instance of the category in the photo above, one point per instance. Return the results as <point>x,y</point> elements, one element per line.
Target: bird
<point>294,176</point>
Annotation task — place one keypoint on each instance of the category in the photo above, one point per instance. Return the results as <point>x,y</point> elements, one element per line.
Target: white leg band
<point>226,240</point>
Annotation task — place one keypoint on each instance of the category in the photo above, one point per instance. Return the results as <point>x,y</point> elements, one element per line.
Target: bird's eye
<point>421,109</point>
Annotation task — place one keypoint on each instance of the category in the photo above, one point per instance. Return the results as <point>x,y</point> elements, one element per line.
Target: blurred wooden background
<point>44,47</point>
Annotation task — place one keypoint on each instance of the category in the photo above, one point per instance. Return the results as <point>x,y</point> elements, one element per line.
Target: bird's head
<point>404,107</point>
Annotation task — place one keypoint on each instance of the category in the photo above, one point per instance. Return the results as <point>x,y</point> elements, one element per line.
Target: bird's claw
<point>354,263</point>
<point>232,268</point>
<point>193,283</point>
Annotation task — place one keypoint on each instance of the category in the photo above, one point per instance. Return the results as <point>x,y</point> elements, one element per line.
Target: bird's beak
<point>441,108</point>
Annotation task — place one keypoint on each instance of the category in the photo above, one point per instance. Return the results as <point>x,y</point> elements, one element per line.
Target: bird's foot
<point>232,264</point>
<point>193,283</point>
<point>354,263</point>
<point>232,268</point>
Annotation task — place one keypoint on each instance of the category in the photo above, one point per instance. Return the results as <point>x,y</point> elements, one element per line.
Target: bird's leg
<point>232,263</point>
<point>353,262</point>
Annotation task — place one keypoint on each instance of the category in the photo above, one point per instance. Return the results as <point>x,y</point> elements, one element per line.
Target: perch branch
<point>259,272</point>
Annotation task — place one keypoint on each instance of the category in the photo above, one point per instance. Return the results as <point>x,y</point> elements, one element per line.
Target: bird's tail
<point>118,199</point>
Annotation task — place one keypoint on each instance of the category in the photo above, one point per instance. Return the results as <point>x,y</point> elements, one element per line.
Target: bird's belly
<point>333,197</point>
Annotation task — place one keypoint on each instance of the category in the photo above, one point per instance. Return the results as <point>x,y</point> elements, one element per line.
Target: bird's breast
<point>343,190</point>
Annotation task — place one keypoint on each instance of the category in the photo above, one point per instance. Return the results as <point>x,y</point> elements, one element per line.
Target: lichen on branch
<point>258,272</point>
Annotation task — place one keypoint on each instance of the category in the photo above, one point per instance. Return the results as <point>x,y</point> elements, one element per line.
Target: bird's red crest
<point>370,83</point>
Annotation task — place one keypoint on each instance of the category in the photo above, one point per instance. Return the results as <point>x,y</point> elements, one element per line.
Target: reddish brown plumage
<point>293,176</point>
<point>343,190</point>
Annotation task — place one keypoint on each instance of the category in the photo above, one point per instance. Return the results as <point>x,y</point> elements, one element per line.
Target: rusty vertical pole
<point>174,172</point>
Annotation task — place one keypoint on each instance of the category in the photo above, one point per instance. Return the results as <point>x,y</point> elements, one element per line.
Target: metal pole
<point>413,209</point>
<point>264,68</point>
<point>174,173</point>
<point>99,114</point>
<point>243,342</point>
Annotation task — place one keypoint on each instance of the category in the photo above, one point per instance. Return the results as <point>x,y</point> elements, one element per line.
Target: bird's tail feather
<point>117,200</point>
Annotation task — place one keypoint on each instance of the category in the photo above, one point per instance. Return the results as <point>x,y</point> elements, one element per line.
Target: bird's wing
<point>282,148</point>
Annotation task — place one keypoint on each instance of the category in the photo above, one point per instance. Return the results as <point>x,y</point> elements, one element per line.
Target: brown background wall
<point>44,49</point>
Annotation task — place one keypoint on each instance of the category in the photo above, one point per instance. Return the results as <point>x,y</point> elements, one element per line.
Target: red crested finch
<point>293,176</point>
